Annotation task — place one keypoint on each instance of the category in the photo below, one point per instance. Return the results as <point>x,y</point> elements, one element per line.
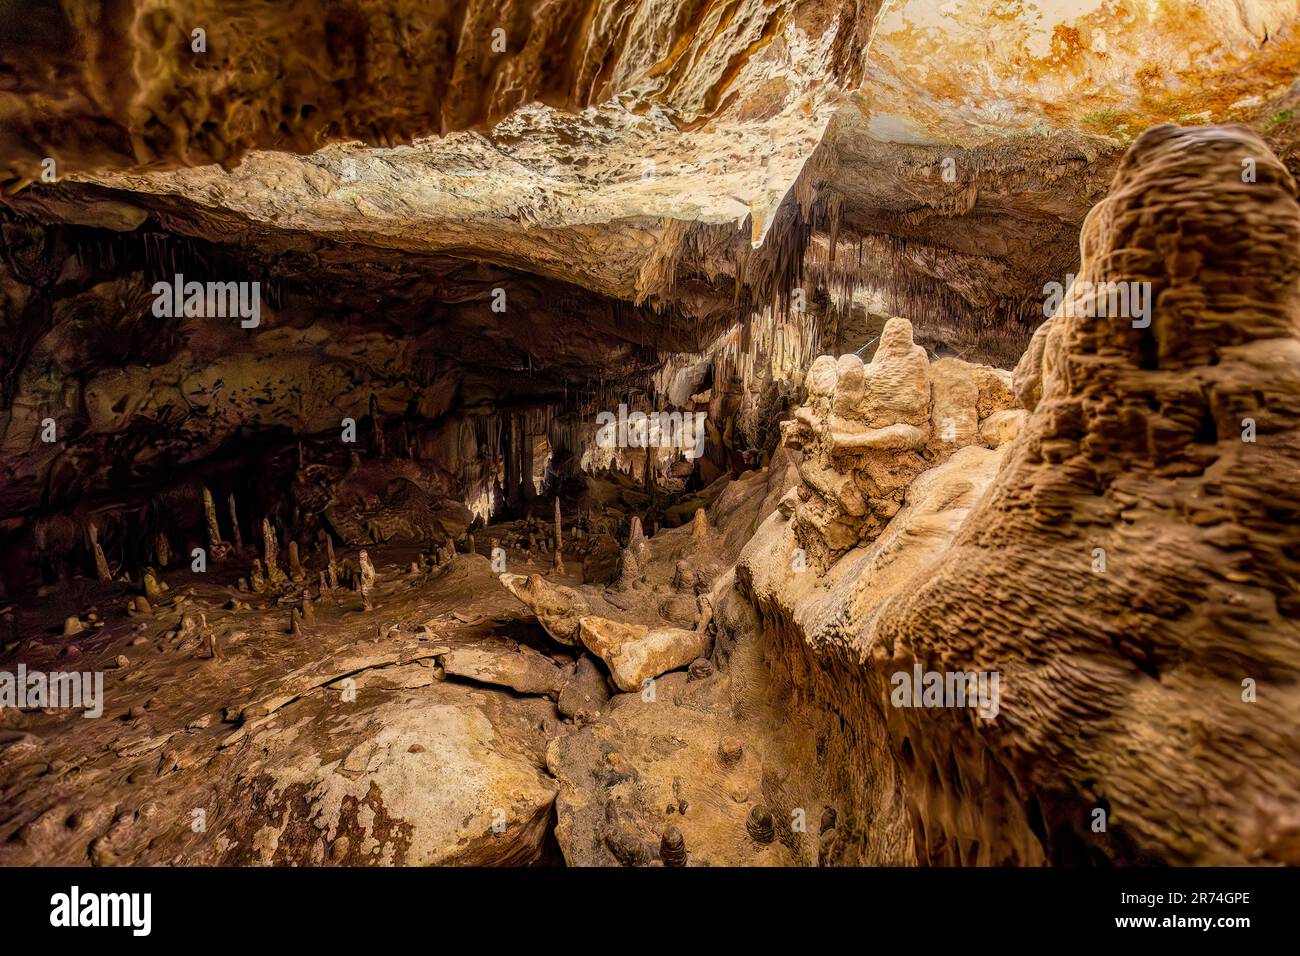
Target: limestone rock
<point>635,652</point>
<point>1129,489</point>
<point>558,608</point>
<point>1002,426</point>
<point>521,669</point>
<point>439,786</point>
<point>586,692</point>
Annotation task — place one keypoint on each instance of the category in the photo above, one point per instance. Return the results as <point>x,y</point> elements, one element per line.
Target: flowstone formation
<point>870,428</point>
<point>1121,569</point>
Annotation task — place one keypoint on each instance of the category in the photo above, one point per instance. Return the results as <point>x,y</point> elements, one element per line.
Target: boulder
<point>636,653</point>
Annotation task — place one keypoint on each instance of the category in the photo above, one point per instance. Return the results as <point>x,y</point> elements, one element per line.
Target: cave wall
<point>1121,565</point>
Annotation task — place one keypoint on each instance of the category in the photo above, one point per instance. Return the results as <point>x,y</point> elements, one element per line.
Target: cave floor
<point>178,725</point>
<point>414,733</point>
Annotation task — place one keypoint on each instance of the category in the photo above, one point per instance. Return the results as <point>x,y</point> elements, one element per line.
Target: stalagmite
<point>210,634</point>
<point>559,531</point>
<point>256,580</point>
<point>330,563</point>
<point>269,551</point>
<point>629,569</point>
<point>295,566</point>
<point>308,609</point>
<point>162,550</point>
<point>672,847</point>
<point>295,622</point>
<point>234,522</point>
<point>366,580</point>
<point>216,547</point>
<point>101,562</point>
<point>152,589</point>
<point>700,525</point>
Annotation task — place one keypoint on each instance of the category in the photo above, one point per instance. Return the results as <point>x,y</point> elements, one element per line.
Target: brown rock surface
<point>1133,448</point>
<point>636,653</point>
<point>851,597</point>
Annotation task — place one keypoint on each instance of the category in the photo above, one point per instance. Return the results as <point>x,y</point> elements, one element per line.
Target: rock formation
<point>1138,489</point>
<point>791,433</point>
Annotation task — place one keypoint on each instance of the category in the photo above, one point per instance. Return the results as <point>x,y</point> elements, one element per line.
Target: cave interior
<point>503,434</point>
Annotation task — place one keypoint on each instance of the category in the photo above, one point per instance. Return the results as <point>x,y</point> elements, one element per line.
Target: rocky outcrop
<point>519,668</point>
<point>870,429</point>
<point>346,744</point>
<point>1117,591</point>
<point>193,84</point>
<point>558,608</point>
<point>431,784</point>
<point>636,653</point>
<point>659,618</point>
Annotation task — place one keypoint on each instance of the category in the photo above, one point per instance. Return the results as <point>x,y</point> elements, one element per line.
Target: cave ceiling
<point>701,158</point>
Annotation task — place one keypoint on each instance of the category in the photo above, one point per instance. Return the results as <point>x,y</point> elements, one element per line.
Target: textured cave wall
<point>959,173</point>
<point>120,83</point>
<point>142,408</point>
<point>956,208</point>
<point>959,239</point>
<point>892,456</point>
<point>1124,690</point>
<point>1108,68</point>
<point>838,751</point>
<point>1124,685</point>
